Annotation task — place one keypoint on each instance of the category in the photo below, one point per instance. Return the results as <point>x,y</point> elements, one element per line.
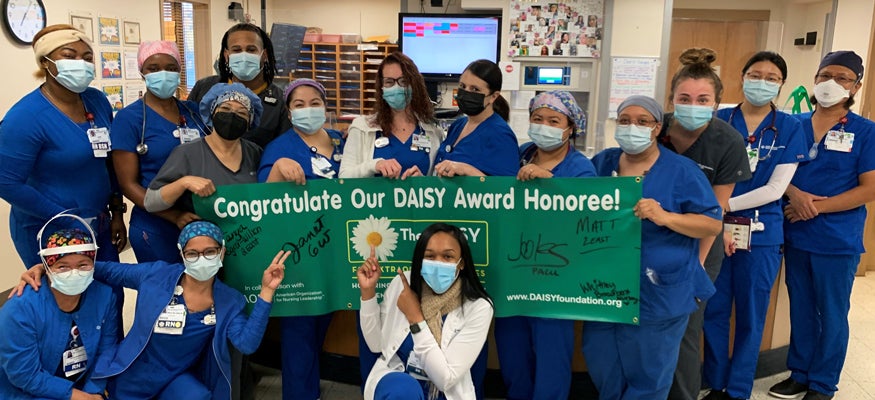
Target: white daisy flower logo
<point>374,232</point>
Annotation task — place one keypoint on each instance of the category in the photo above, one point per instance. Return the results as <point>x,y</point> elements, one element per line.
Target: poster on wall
<point>110,65</point>
<point>115,96</point>
<point>109,31</point>
<point>551,28</point>
<point>130,64</point>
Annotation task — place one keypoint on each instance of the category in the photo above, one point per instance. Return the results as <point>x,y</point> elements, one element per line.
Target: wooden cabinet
<point>347,70</point>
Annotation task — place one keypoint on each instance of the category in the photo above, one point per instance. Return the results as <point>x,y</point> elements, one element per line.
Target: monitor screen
<point>442,45</point>
<point>550,75</point>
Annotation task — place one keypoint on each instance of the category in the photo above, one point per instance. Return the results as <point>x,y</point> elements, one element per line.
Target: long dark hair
<point>491,74</point>
<point>269,67</point>
<point>697,65</point>
<point>420,105</point>
<point>472,289</point>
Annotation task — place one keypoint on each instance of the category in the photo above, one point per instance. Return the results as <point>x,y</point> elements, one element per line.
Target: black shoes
<point>812,395</point>
<point>716,395</point>
<point>790,389</point>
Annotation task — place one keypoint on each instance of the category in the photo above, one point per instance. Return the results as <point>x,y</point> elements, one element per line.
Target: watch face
<point>24,18</point>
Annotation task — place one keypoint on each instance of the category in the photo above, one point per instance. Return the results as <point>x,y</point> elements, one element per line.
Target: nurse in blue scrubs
<point>144,133</point>
<point>775,146</point>
<point>307,151</point>
<point>54,146</point>
<point>823,228</point>
<point>479,144</point>
<point>677,209</point>
<point>535,353</point>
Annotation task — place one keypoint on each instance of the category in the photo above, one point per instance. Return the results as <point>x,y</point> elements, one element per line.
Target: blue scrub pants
<point>745,280</point>
<point>628,362</point>
<point>302,339</point>
<point>153,238</point>
<point>398,386</point>
<point>367,359</point>
<point>478,372</point>
<point>819,286</point>
<point>187,384</point>
<point>535,356</point>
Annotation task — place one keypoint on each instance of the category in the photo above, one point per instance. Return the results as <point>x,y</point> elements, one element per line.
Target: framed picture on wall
<point>84,24</point>
<point>132,32</point>
<point>109,30</point>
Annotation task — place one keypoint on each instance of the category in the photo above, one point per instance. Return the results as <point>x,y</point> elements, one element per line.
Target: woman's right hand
<point>368,275</point>
<point>388,168</point>
<point>289,171</point>
<point>202,187</point>
<point>803,203</point>
<point>30,277</point>
<point>184,218</point>
<point>80,395</point>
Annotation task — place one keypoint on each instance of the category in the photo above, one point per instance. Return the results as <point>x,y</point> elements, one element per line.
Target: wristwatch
<point>415,328</point>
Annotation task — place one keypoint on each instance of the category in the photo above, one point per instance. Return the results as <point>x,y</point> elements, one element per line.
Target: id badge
<point>421,142</point>
<point>186,135</point>
<point>171,321</point>
<point>381,142</point>
<point>100,142</point>
<point>321,167</point>
<point>414,367</point>
<point>753,157</point>
<point>74,361</point>
<point>740,228</point>
<point>839,141</point>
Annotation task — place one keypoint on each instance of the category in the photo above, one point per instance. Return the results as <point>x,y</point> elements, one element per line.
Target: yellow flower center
<point>374,239</point>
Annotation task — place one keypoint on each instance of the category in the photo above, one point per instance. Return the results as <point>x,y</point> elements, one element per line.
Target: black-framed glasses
<point>389,82</point>
<point>210,254</point>
<point>841,80</point>
<point>638,122</point>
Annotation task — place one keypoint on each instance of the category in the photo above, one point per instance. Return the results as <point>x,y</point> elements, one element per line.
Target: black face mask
<point>230,126</point>
<point>470,103</point>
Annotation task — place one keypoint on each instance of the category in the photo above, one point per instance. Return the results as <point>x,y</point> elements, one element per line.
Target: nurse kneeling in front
<point>677,209</point>
<point>431,330</point>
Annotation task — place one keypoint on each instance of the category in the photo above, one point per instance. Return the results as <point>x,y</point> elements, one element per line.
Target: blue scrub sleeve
<point>125,275</point>
<point>695,196</point>
<point>127,129</point>
<point>795,150</point>
<point>246,333</point>
<point>268,158</point>
<point>501,156</point>
<point>20,143</point>
<point>108,341</point>
<point>867,153</point>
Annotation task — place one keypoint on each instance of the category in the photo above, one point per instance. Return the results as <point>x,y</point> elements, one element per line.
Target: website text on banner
<point>561,248</point>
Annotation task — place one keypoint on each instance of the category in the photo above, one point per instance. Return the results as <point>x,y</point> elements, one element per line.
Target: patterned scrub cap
<point>222,92</point>
<point>562,102</point>
<point>68,237</point>
<point>200,228</point>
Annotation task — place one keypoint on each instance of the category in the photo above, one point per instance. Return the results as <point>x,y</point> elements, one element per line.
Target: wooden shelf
<point>349,79</point>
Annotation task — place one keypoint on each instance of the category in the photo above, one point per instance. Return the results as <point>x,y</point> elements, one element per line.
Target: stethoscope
<point>752,138</point>
<point>143,148</point>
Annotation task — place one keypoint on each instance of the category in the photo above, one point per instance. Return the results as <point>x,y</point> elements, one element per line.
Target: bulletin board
<point>631,76</point>
<point>556,28</point>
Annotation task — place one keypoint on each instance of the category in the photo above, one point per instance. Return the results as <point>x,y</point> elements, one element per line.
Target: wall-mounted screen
<point>442,45</point>
<point>550,75</point>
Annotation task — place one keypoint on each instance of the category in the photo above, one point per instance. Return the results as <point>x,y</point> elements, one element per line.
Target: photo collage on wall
<point>570,28</point>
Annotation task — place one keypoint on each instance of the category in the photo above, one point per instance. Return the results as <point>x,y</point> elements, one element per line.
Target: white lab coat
<point>358,151</point>
<point>464,332</point>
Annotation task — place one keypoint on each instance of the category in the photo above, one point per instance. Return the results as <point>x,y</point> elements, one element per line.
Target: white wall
<point>802,61</point>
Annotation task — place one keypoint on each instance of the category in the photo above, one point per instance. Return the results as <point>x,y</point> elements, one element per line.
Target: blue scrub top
<point>291,145</point>
<point>127,129</point>
<point>403,153</point>
<point>788,148</point>
<point>828,174</point>
<point>671,275</point>
<point>574,165</point>
<point>492,147</point>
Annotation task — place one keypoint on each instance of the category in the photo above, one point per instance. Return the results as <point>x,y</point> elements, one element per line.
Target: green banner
<point>561,248</point>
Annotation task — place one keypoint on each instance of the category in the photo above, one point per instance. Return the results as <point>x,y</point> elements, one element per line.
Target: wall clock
<point>23,19</point>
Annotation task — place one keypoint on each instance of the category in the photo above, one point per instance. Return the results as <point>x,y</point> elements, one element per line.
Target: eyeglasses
<point>767,78</point>
<point>640,122</point>
<point>389,82</point>
<point>209,254</point>
<point>64,268</point>
<point>841,80</point>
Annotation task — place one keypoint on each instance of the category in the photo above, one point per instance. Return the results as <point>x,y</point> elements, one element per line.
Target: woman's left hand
<point>408,302</point>
<point>450,169</point>
<point>532,171</point>
<point>273,276</point>
<point>412,171</point>
<point>118,231</point>
<point>728,243</point>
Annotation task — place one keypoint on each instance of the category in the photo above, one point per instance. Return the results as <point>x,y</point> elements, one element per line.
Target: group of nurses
<point>775,146</point>
<point>824,219</point>
<point>535,353</point>
<point>54,146</point>
<point>305,152</point>
<point>143,134</point>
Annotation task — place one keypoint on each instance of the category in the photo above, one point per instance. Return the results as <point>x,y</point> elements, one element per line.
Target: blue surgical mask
<point>245,66</point>
<point>693,117</point>
<point>162,84</point>
<point>439,275</point>
<point>72,282</point>
<point>633,139</point>
<point>760,92</point>
<point>202,269</point>
<point>397,96</point>
<point>74,75</point>
<point>308,120</point>
<point>546,137</point>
